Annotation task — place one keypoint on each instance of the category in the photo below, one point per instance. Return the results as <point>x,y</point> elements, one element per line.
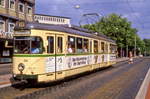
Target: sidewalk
<point>148,93</point>
<point>144,92</point>
<point>122,59</point>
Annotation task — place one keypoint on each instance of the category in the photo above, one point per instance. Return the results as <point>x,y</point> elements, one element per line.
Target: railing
<point>6,35</point>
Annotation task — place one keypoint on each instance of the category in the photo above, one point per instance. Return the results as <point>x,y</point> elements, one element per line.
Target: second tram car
<point>52,52</point>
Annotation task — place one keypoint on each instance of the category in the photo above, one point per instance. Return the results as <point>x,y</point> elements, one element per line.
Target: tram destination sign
<point>22,32</point>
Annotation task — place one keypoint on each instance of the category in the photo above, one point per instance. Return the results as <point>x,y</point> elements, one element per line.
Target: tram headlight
<point>21,67</point>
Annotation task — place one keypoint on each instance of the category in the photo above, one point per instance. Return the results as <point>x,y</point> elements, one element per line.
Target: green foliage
<point>147,46</point>
<point>118,29</point>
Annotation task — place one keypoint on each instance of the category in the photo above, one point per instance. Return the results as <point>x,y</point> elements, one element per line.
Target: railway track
<point>27,91</point>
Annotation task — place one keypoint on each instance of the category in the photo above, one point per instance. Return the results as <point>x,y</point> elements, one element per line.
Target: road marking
<point>144,87</point>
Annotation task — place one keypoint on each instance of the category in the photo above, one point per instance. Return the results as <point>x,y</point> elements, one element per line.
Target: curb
<point>144,87</point>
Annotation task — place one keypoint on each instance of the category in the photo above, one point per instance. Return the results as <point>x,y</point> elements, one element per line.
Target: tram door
<point>59,56</point>
<point>56,61</point>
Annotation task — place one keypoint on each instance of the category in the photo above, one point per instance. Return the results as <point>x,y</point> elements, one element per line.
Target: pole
<point>126,50</point>
<point>135,46</point>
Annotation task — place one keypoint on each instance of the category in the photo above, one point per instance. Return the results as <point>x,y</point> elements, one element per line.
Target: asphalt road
<point>5,69</point>
<point>122,81</point>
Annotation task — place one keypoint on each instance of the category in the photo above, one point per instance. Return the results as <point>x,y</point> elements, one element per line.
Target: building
<point>12,11</point>
<point>48,19</point>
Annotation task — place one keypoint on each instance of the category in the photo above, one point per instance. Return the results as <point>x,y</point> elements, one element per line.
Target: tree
<point>118,29</point>
<point>147,46</point>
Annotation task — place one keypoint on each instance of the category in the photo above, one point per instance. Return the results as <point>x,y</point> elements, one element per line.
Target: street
<point>121,81</point>
<point>118,82</point>
<point>5,69</point>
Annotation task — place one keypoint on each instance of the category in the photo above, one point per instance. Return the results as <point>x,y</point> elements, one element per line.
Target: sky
<point>136,11</point>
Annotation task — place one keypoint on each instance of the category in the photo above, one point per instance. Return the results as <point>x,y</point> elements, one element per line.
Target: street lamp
<point>77,6</point>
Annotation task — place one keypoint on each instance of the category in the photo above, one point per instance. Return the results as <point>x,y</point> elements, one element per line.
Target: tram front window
<point>27,45</point>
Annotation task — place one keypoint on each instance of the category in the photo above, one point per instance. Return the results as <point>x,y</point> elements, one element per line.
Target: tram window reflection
<point>90,46</point>
<point>50,48</point>
<point>113,48</point>
<point>59,45</point>
<point>106,48</point>
<point>102,47</point>
<point>71,44</point>
<point>95,46</point>
<point>27,45</point>
<point>22,46</point>
<point>85,45</point>
<point>79,45</point>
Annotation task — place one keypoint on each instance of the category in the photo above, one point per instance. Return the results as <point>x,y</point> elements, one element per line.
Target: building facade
<point>48,19</point>
<point>12,11</point>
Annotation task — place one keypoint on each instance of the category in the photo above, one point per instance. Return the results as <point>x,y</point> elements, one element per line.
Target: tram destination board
<point>23,32</point>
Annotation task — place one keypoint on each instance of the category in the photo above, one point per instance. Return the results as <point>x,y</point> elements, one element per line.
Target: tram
<point>46,53</point>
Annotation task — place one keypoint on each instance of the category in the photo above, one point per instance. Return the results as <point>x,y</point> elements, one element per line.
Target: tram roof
<point>64,28</point>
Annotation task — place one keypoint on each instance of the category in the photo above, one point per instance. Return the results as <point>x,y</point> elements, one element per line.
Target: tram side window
<point>106,48</point>
<point>102,47</point>
<point>71,44</point>
<point>36,45</point>
<point>90,46</point>
<point>59,45</point>
<point>95,46</point>
<point>112,48</point>
<point>50,48</point>
<point>21,45</point>
<point>79,45</point>
<point>85,45</point>
<point>28,45</point>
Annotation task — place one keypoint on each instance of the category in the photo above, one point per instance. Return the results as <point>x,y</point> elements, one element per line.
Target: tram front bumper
<point>25,77</point>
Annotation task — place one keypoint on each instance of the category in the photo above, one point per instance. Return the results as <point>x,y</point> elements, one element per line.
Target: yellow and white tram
<point>52,52</point>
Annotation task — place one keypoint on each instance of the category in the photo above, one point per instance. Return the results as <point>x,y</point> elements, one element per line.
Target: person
<point>34,49</point>
<point>85,49</point>
<point>130,58</point>
<point>26,50</point>
<point>70,49</point>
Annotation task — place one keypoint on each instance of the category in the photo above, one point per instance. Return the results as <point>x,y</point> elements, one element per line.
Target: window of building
<point>59,45</point>
<point>2,3</point>
<point>50,47</point>
<point>95,46</point>
<point>29,10</point>
<point>1,25</point>
<point>71,44</point>
<point>11,27</point>
<point>12,4</point>
<point>79,43</point>
<point>21,7</point>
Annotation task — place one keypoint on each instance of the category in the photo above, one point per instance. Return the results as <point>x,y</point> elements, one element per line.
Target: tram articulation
<point>47,53</point>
